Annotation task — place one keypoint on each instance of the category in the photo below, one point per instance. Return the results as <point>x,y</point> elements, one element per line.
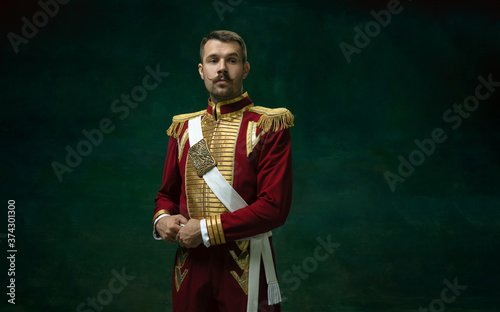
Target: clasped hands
<point>188,236</point>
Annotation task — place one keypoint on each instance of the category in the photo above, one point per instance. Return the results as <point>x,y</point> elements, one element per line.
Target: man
<point>223,227</point>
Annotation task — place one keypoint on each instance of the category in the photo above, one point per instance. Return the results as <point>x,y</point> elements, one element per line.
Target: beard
<point>221,93</point>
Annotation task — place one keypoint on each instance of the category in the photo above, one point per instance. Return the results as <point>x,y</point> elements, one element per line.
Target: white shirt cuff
<point>155,233</point>
<point>204,232</point>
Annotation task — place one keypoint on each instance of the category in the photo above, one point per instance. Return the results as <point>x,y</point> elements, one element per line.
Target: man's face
<point>223,70</point>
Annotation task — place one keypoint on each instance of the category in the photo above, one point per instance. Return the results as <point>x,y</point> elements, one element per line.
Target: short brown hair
<point>224,36</point>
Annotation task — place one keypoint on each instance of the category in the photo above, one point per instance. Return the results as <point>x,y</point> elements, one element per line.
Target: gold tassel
<point>175,129</point>
<point>178,121</point>
<point>276,121</point>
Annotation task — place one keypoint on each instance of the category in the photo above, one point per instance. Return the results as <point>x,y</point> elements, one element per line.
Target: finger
<point>174,228</point>
<point>181,219</point>
<point>169,238</point>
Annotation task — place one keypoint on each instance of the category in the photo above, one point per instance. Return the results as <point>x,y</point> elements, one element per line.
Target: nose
<point>222,67</point>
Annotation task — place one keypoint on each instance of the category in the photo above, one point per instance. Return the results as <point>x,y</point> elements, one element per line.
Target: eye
<point>212,61</point>
<point>233,61</point>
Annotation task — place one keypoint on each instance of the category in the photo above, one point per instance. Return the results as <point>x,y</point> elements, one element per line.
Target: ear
<point>246,69</point>
<point>200,70</point>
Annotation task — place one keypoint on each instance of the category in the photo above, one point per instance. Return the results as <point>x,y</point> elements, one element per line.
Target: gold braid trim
<point>215,230</point>
<point>210,231</point>
<point>160,212</point>
<point>218,221</point>
<point>178,121</point>
<point>273,119</point>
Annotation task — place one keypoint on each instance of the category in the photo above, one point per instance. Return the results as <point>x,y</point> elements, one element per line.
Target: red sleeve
<point>169,194</point>
<point>274,191</point>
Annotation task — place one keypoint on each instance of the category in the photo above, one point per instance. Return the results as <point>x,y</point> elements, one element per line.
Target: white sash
<point>259,244</point>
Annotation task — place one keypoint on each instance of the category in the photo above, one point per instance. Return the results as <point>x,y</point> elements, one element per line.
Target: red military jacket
<point>251,145</point>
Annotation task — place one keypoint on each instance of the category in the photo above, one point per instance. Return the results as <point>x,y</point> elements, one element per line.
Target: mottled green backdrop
<point>357,116</point>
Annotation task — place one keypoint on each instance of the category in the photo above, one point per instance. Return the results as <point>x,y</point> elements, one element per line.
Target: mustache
<point>220,77</point>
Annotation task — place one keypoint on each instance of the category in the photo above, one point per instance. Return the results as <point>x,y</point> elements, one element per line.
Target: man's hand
<point>190,235</point>
<point>168,227</point>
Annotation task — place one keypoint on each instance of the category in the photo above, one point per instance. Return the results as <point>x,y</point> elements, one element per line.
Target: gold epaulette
<point>273,118</point>
<point>178,123</point>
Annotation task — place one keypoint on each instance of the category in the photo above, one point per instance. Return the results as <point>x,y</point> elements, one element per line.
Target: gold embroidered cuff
<point>210,231</point>
<point>221,231</point>
<point>215,231</point>
<point>160,212</point>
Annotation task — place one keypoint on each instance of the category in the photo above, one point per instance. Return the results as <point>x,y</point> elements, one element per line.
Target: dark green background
<point>352,121</point>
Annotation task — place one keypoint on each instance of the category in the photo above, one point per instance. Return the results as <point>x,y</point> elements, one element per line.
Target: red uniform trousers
<point>203,282</point>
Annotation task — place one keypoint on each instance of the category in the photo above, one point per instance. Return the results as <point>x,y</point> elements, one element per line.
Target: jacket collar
<point>221,109</point>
